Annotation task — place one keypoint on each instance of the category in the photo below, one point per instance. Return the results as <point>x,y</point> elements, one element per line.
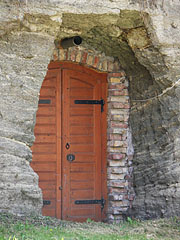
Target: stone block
<point>119,117</point>
<point>115,137</point>
<point>55,54</point>
<point>117,149</point>
<point>117,130</point>
<point>116,86</point>
<point>116,156</point>
<point>115,170</point>
<point>73,55</point>
<point>116,176</point>
<point>118,99</point>
<point>121,203</point>
<point>123,92</point>
<point>115,80</point>
<point>117,183</point>
<point>116,197</point>
<point>78,56</point>
<point>105,65</point>
<point>113,163</point>
<point>62,55</point>
<point>116,143</point>
<point>90,59</point>
<point>110,66</point>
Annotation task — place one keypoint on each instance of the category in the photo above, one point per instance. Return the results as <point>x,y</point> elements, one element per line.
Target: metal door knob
<point>70,157</point>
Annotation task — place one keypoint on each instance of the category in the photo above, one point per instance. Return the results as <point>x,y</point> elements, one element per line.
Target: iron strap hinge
<point>44,101</point>
<point>46,202</point>
<point>101,102</point>
<point>102,201</point>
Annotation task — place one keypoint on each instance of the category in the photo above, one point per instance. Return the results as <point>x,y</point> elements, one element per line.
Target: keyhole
<point>67,146</point>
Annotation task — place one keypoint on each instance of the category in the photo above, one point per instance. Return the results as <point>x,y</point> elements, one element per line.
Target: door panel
<point>88,131</point>
<point>60,121</point>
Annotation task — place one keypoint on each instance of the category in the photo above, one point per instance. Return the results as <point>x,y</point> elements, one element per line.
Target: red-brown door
<point>69,150</point>
<point>45,149</point>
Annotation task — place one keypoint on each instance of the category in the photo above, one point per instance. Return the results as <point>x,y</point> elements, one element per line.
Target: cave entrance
<point>67,153</point>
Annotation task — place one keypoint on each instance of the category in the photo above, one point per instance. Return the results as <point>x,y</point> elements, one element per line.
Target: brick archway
<point>119,170</point>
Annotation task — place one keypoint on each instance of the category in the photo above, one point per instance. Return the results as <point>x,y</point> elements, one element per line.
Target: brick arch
<point>89,58</point>
<point>119,170</point>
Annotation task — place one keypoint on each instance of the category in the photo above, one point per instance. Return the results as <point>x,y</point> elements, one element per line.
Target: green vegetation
<point>46,228</point>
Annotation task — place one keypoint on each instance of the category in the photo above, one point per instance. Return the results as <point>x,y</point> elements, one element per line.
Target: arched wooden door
<point>70,146</point>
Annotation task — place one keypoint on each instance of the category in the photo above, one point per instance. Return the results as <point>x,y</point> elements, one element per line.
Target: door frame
<point>75,66</point>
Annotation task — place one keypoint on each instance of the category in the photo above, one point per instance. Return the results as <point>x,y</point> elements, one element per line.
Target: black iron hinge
<point>46,202</point>
<point>101,102</point>
<point>102,202</point>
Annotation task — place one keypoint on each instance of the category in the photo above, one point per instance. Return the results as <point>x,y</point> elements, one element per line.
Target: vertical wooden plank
<point>65,151</point>
<point>97,148</point>
<point>59,132</point>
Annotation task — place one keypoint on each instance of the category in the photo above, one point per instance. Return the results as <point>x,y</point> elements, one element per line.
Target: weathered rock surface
<point>20,84</point>
<point>144,37</point>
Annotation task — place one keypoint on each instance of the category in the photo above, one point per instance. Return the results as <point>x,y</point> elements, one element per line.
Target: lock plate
<point>70,157</point>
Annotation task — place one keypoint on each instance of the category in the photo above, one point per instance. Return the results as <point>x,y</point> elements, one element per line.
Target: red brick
<point>66,54</point>
<point>73,55</point>
<point>117,190</point>
<point>55,55</point>
<point>115,137</point>
<point>127,106</point>
<point>116,156</point>
<point>119,105</point>
<point>117,183</point>
<point>119,125</point>
<point>117,86</point>
<point>69,51</point>
<point>61,55</point>
<point>117,74</point>
<point>96,61</point>
<point>84,57</point>
<point>123,92</point>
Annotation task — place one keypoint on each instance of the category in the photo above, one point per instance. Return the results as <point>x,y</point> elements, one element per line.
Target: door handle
<point>70,157</point>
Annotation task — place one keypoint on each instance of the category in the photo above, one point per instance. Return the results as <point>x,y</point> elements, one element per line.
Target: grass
<point>46,228</point>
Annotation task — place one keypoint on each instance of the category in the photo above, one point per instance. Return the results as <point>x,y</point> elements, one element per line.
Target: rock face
<point>144,38</point>
<point>20,84</point>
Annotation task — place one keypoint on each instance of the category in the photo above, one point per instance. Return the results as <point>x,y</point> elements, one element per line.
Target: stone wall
<point>20,85</point>
<point>152,65</point>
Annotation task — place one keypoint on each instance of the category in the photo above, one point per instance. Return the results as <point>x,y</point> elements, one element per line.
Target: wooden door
<point>73,180</point>
<point>46,148</point>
